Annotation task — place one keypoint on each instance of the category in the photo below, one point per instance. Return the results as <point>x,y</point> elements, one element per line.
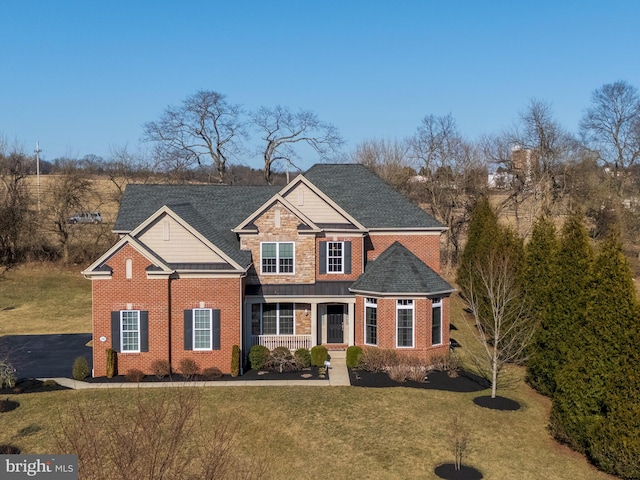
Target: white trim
<point>193,329</point>
<point>410,306</point>
<point>278,272</point>
<point>435,305</point>
<point>369,304</point>
<point>266,206</point>
<point>137,330</point>
<point>341,271</point>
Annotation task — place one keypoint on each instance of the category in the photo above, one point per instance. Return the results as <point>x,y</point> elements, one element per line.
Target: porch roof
<point>318,289</point>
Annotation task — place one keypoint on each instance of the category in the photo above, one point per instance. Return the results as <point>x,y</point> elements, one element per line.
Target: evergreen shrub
<point>319,355</point>
<point>80,369</point>
<point>354,356</point>
<point>235,360</point>
<point>303,357</point>
<point>258,356</point>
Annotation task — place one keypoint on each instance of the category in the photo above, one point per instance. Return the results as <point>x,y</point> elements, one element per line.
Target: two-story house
<point>336,257</point>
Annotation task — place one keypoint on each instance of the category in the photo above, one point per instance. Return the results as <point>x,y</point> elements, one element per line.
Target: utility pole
<point>38,172</point>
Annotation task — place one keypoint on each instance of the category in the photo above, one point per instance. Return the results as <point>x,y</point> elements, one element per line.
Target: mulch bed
<point>464,382</point>
<point>8,405</point>
<point>30,385</point>
<point>498,403</point>
<point>307,374</point>
<point>9,450</point>
<point>449,472</point>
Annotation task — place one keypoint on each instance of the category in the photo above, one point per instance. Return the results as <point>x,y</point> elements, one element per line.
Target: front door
<point>335,322</point>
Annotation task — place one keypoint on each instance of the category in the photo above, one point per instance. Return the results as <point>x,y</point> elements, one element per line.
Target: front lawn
<point>345,432</point>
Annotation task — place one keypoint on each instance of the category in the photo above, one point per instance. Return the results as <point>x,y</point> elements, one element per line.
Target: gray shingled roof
<point>213,210</point>
<point>397,270</point>
<point>368,198</point>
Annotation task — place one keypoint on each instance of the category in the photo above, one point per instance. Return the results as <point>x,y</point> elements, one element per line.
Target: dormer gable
<point>272,208</point>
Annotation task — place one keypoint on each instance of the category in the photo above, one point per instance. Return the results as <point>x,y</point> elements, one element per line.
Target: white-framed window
<point>404,324</point>
<point>436,321</point>
<point>202,329</point>
<point>277,257</point>
<point>277,319</point>
<point>130,331</point>
<point>335,257</point>
<point>371,321</point>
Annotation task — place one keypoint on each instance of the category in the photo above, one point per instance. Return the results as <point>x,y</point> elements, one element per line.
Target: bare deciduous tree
<point>390,160</point>
<point>205,127</point>
<point>282,130</point>
<point>451,171</point>
<point>501,313</point>
<point>153,437</point>
<point>126,167</point>
<point>611,126</point>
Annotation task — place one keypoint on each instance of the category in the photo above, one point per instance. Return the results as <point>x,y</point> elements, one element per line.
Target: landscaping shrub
<point>448,362</point>
<point>80,369</point>
<point>409,368</point>
<point>258,356</point>
<point>134,375</point>
<point>111,363</point>
<point>319,355</point>
<point>235,360</point>
<point>188,368</point>
<point>9,450</point>
<point>211,373</point>
<point>354,356</point>
<point>302,357</point>
<point>281,360</point>
<point>7,374</point>
<point>378,359</point>
<point>49,383</point>
<point>161,368</point>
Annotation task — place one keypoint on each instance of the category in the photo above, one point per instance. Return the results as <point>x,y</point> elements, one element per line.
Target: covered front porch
<point>298,321</point>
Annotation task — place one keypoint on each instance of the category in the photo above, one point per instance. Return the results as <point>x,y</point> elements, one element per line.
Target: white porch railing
<point>292,342</point>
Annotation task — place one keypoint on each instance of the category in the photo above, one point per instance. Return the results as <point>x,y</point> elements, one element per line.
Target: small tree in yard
<point>459,437</point>
<point>7,374</point>
<point>501,313</point>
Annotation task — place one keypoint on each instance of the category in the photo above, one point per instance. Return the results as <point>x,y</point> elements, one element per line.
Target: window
<point>436,321</point>
<point>202,328</point>
<point>404,322</point>
<point>130,330</point>
<point>371,321</point>
<point>277,319</point>
<point>277,257</point>
<point>334,257</point>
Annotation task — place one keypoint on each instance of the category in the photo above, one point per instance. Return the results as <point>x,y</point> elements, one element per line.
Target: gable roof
<point>368,198</point>
<point>212,210</point>
<point>399,271</point>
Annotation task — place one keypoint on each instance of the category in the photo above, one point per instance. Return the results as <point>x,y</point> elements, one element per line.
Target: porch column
<point>351,321</point>
<point>314,324</point>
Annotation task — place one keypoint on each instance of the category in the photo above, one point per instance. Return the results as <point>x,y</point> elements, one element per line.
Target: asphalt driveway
<point>41,356</point>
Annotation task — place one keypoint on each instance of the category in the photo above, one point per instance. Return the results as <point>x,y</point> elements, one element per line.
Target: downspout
<point>241,359</point>
<point>169,307</point>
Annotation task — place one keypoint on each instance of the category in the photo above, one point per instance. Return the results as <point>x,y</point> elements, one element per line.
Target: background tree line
<point>534,167</point>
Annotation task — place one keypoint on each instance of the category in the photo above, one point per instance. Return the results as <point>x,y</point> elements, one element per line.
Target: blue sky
<point>82,77</point>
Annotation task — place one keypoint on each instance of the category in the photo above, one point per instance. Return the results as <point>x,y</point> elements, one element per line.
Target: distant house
<point>336,257</point>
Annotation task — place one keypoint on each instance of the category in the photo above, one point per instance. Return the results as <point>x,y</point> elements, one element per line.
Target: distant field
<point>44,298</point>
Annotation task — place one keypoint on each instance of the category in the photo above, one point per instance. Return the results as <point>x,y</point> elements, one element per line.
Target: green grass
<point>343,432</point>
<point>321,432</point>
<point>44,298</point>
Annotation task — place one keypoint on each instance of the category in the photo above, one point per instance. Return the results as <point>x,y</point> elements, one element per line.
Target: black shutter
<point>115,331</point>
<point>188,329</point>
<point>215,333</point>
<point>323,257</point>
<point>144,331</point>
<point>347,257</point>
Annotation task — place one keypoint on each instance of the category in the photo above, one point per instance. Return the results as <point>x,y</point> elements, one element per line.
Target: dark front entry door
<point>335,322</point>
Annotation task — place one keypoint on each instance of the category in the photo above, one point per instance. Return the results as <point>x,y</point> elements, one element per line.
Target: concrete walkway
<point>338,376</point>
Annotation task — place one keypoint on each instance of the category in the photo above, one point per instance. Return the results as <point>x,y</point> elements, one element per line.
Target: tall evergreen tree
<point>483,226</point>
<point>569,292</point>
<point>538,276</point>
<point>593,356</point>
